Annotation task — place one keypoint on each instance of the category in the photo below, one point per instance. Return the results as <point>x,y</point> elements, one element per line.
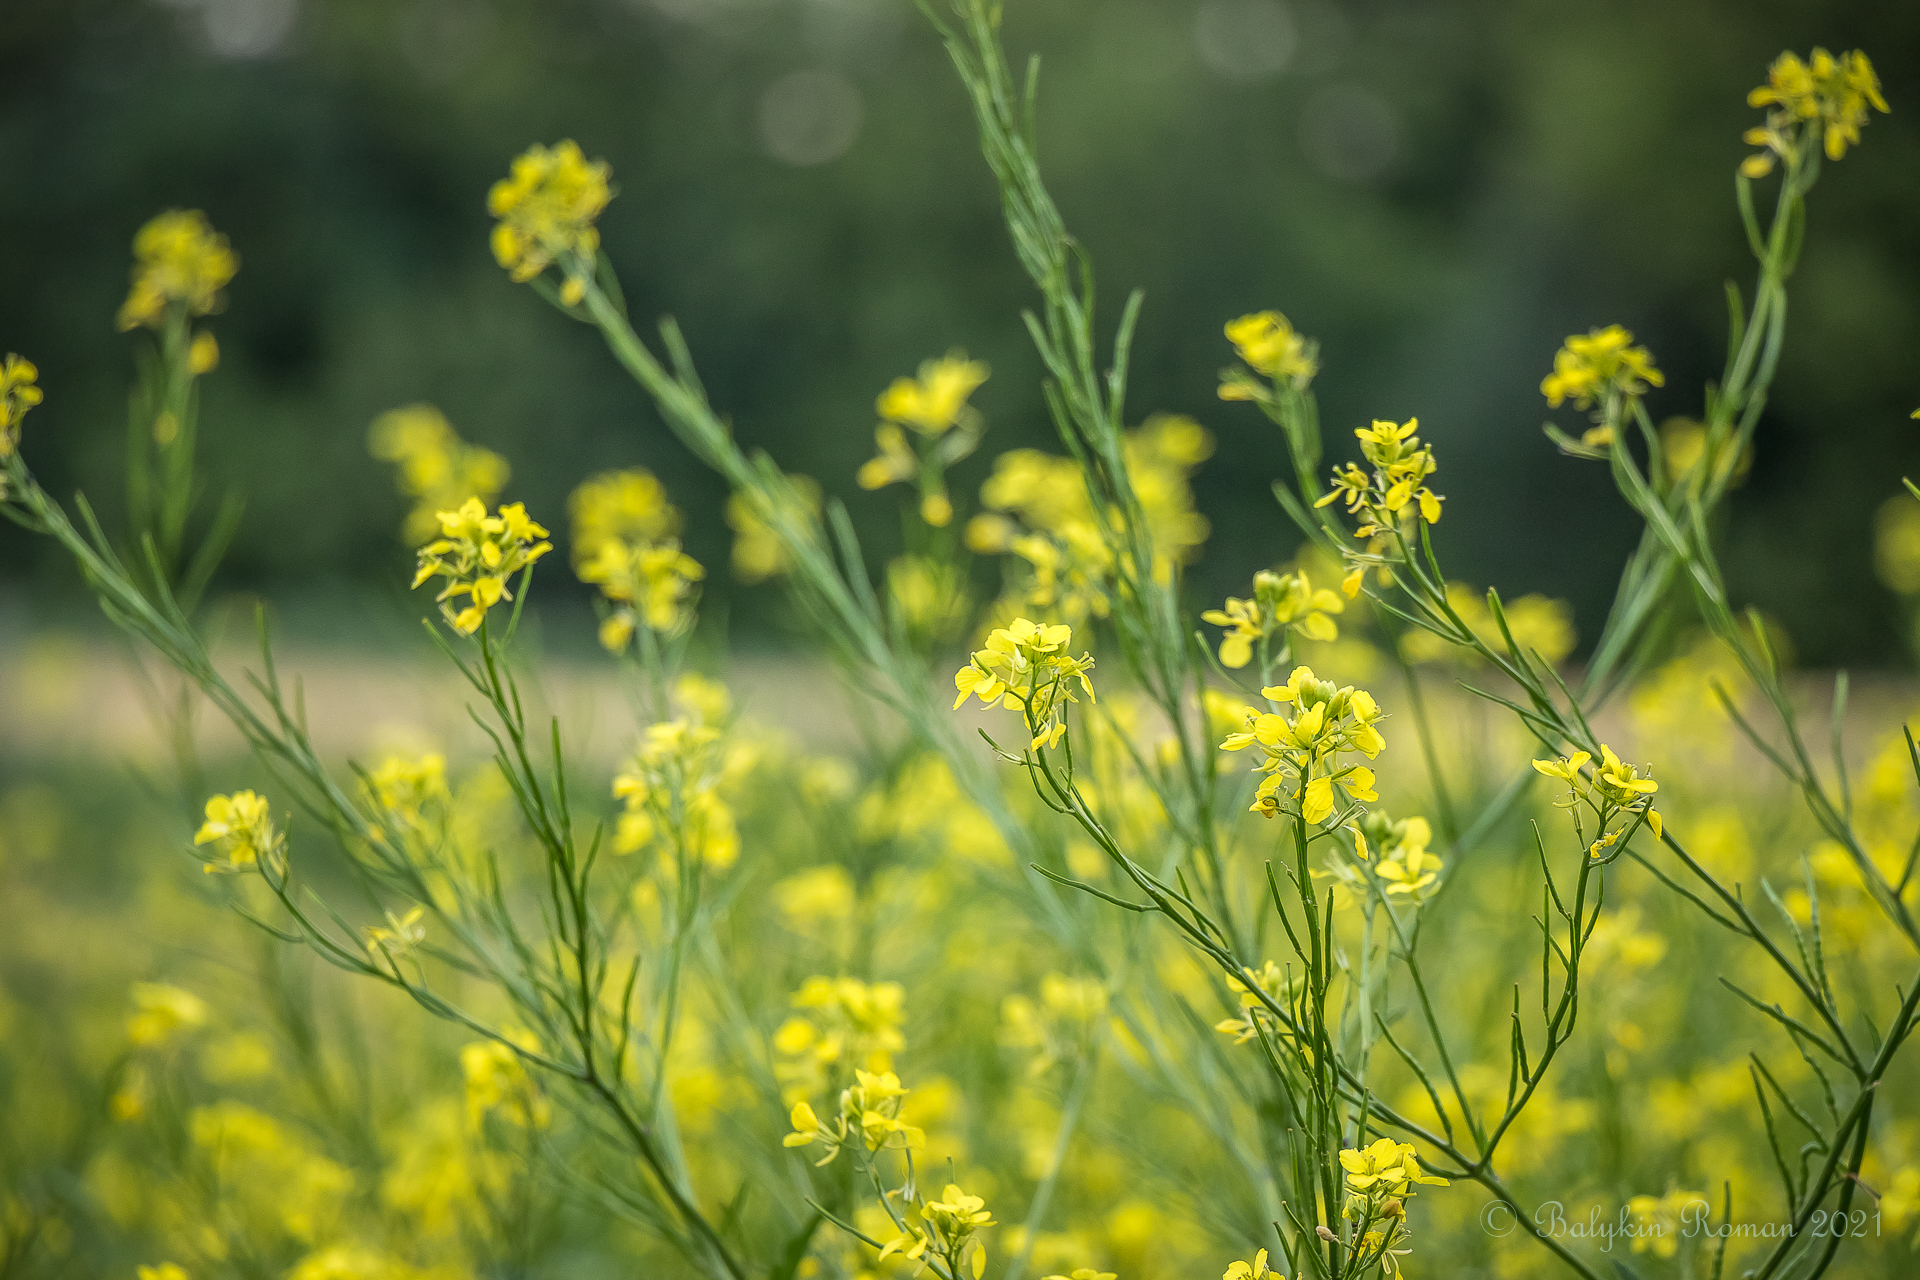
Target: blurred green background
<point>1438,191</point>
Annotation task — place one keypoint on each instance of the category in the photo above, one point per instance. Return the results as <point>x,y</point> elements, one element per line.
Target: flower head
<point>160,1012</point>
<point>1026,667</point>
<point>1268,345</point>
<point>436,468</point>
<point>936,401</point>
<point>178,260</point>
<point>17,395</point>
<point>1598,364</point>
<point>1279,601</point>
<point>546,206</point>
<point>1328,721</point>
<point>1395,487</point>
<point>243,826</point>
<point>1255,1270</point>
<point>476,553</point>
<point>1823,95</point>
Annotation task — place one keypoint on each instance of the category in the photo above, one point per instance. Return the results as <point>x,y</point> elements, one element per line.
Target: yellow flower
<point>243,824</point>
<point>935,402</point>
<point>1385,1165</point>
<point>203,354</point>
<point>164,1271</point>
<point>1084,1273</point>
<point>17,395</point>
<point>1589,367</point>
<point>398,936</point>
<point>758,552</point>
<point>437,469</point>
<point>178,260</point>
<point>1395,486</point>
<point>1026,668</point>
<point>619,506</point>
<point>161,1011</point>
<point>1279,600</point>
<point>1255,1270</point>
<point>476,553</point>
<point>1269,346</point>
<point>1619,782</point>
<point>1825,94</point>
<point>497,1081</point>
<point>546,206</point>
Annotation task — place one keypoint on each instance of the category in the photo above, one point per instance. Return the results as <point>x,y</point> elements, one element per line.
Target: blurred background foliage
<point>1438,191</point>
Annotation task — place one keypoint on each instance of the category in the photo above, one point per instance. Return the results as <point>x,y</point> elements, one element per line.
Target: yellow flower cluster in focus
<point>1026,668</point>
<point>1596,365</point>
<point>546,206</point>
<point>1396,484</point>
<point>438,469</point>
<point>476,553</point>
<point>1328,720</point>
<point>1279,601</point>
<point>1614,789</point>
<point>869,1112</point>
<point>1825,94</point>
<point>179,260</point>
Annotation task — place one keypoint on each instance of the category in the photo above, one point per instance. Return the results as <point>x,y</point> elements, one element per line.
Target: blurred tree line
<point>1439,190</point>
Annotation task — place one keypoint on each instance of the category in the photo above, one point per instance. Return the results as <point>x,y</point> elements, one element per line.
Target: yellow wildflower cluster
<point>1268,346</point>
<point>934,407</point>
<point>411,792</point>
<point>178,260</point>
<point>674,784</point>
<point>476,553</point>
<point>840,1021</point>
<point>243,826</point>
<point>269,1173</point>
<point>1824,95</point>
<point>869,1111</point>
<point>758,552</point>
<point>17,395</point>
<point>1380,1179</point>
<point>1539,625</point>
<point>1040,511</point>
<point>498,1083</point>
<point>1598,366</point>
<point>1396,484</point>
<point>1280,601</point>
<point>623,542</point>
<point>1658,1220</point>
<point>1240,1269</point>
<point>437,469</point>
<point>925,802</point>
<point>1056,1027</point>
<point>1404,865</point>
<point>945,1227</point>
<point>1026,668</point>
<point>161,1012</point>
<point>1251,986</point>
<point>1328,720</point>
<point>1615,789</point>
<point>546,206</point>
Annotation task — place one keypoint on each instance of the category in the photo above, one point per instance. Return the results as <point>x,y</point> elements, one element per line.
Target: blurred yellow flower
<point>1589,367</point>
<point>1270,347</point>
<point>161,1011</point>
<point>437,469</point>
<point>546,206</point>
<point>244,826</point>
<point>178,260</point>
<point>1824,93</point>
<point>936,401</point>
<point>17,395</point>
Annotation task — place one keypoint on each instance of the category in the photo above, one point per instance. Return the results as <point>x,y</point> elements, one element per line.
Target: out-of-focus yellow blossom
<point>1896,544</point>
<point>243,825</point>
<point>1327,720</point>
<point>1026,668</point>
<point>650,585</point>
<point>1267,980</point>
<point>1657,1220</point>
<point>924,802</point>
<point>1225,713</point>
<point>928,597</point>
<point>1405,867</point>
<point>619,506</point>
<point>354,1262</point>
<point>815,897</point>
<point>1084,1273</point>
<point>1268,346</point>
<point>17,395</point>
<point>1040,511</point>
<point>1057,1026</point>
<point>673,785</point>
<point>1676,705</point>
<point>203,354</point>
<point>398,936</point>
<point>161,1012</point>
<point>936,401</point>
<point>758,553</point>
<point>439,1177</point>
<point>267,1170</point>
<point>1900,1200</point>
<point>1824,94</point>
<point>498,1082</point>
<point>1279,601</point>
<point>1593,366</point>
<point>1539,625</point>
<point>1395,485</point>
<point>477,553</point>
<point>546,206</point>
<point>1255,1270</point>
<point>178,259</point>
<point>236,1059</point>
<point>840,1021</point>
<point>437,469</point>
<point>163,1271</point>
<point>409,790</point>
<point>869,1111</point>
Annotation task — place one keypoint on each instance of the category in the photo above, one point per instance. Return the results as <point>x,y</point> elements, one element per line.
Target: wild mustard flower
<point>1085,1273</point>
<point>497,1082</point>
<point>758,553</point>
<point>1402,861</point>
<point>1026,668</point>
<point>1279,601</point>
<point>17,395</point>
<point>672,788</point>
<point>648,585</point>
<point>1395,485</point>
<point>1824,94</point>
<point>546,206</point>
<point>1328,720</point>
<point>437,469</point>
<point>398,936</point>
<point>869,1113</point>
<point>619,506</point>
<point>178,260</point>
<point>1268,346</point>
<point>1251,986</point>
<point>408,790</point>
<point>1597,366</point>
<point>160,1012</point>
<point>936,401</point>
<point>243,826</point>
<point>162,1271</point>
<point>1255,1270</point>
<point>476,553</point>
<point>1056,1027</point>
<point>1616,789</point>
